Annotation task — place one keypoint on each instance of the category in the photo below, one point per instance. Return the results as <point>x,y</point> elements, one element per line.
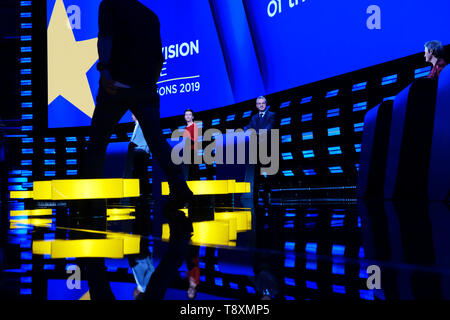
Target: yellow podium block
<point>232,234</point>
<point>80,189</point>
<point>21,194</point>
<point>206,233</point>
<point>212,187</point>
<point>131,242</point>
<point>122,217</point>
<point>119,211</point>
<point>85,248</point>
<point>242,187</point>
<point>205,187</point>
<point>120,214</point>
<point>242,219</point>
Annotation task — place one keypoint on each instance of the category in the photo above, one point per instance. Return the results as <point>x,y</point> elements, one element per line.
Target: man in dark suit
<point>264,119</point>
<point>262,122</point>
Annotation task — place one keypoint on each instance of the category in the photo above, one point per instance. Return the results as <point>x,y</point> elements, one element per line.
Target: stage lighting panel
<point>287,156</point>
<point>308,154</point>
<point>285,121</point>
<point>285,104</point>
<point>26,162</point>
<point>311,265</point>
<point>307,117</point>
<point>71,172</point>
<point>338,289</point>
<point>49,173</point>
<point>335,170</point>
<point>389,79</point>
<point>332,93</point>
<point>286,138</point>
<point>288,173</point>
<point>309,172</point>
<point>334,150</point>
<point>333,113</point>
<point>247,114</point>
<point>335,131</point>
<point>359,86</point>
<point>358,127</point>
<point>311,285</point>
<point>422,72</point>
<point>50,162</point>
<point>361,106</point>
<point>231,117</point>
<point>306,100</point>
<point>307,136</point>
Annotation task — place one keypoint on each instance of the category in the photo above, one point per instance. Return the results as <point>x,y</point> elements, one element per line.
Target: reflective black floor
<point>289,250</point>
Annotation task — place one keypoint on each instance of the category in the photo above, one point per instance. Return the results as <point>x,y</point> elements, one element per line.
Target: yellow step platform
<point>212,187</point>
<point>80,189</point>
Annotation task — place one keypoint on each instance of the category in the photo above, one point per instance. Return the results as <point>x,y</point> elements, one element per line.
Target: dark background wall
<point>9,47</point>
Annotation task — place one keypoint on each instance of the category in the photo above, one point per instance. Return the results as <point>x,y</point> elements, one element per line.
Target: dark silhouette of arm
<point>104,44</point>
<point>251,125</point>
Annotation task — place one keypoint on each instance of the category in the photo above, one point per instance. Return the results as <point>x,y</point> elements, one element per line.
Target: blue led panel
<point>332,93</point>
<point>388,80</point>
<point>359,86</point>
<point>336,131</point>
<point>360,106</point>
<point>307,135</point>
<point>308,153</point>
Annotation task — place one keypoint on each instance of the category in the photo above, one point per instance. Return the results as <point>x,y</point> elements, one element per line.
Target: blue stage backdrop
<point>221,52</point>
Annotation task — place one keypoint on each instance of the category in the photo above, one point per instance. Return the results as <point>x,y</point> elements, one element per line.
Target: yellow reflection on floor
<point>241,217</point>
<point>206,232</point>
<point>31,213</point>
<point>27,222</point>
<point>120,214</point>
<point>115,246</point>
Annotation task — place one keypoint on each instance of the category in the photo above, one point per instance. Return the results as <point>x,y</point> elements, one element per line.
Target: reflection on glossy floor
<point>279,250</point>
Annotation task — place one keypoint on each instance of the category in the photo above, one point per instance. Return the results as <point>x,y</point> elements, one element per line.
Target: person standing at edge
<point>130,62</point>
<point>434,54</point>
<point>190,133</point>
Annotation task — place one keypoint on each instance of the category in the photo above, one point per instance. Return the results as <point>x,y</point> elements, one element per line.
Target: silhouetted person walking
<point>130,62</point>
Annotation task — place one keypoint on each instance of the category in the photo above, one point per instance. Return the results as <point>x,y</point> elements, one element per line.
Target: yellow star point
<point>68,62</point>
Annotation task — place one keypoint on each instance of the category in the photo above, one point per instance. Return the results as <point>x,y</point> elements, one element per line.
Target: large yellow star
<point>68,62</point>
